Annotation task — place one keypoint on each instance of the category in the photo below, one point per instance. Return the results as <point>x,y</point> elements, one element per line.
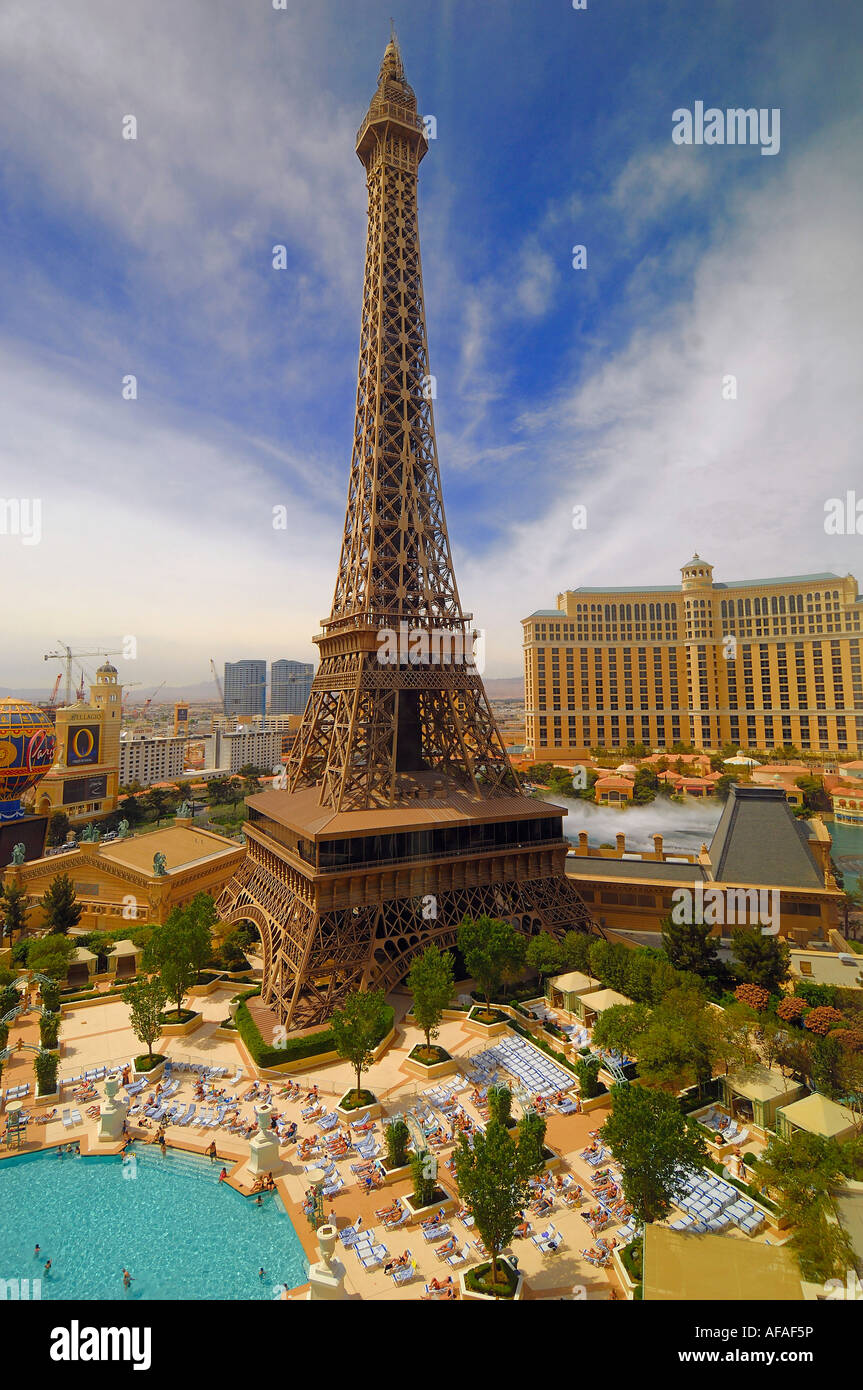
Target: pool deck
<point>98,1035</point>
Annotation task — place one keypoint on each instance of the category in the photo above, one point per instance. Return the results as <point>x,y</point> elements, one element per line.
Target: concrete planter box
<point>595,1102</point>
<point>221,1032</point>
<point>155,1075</point>
<point>622,1274</point>
<point>88,1003</point>
<point>486,1030</point>
<point>552,1164</point>
<point>199,991</point>
<point>50,1098</point>
<point>391,1175</point>
<point>431,1070</point>
<point>372,1111</point>
<point>470,1296</point>
<point>419,1214</point>
<point>182,1030</point>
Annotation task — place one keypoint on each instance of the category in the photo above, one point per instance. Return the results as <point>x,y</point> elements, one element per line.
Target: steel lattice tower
<point>400,791</point>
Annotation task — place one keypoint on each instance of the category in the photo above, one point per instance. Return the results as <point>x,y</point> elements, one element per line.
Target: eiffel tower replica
<point>401,812</point>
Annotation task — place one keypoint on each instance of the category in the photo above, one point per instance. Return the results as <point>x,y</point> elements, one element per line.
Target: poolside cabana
<point>758,1093</point>
<point>589,1006</point>
<point>816,1114</point>
<point>82,964</point>
<point>563,991</point>
<point>124,959</point>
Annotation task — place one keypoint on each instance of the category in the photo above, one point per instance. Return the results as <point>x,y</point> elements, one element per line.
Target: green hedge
<point>294,1049</point>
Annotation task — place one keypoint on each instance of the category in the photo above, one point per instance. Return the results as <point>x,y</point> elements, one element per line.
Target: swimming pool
<point>179,1232</point>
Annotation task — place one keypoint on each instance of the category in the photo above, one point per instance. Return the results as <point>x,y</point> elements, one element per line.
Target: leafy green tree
<point>531,1142</point>
<point>619,1028</point>
<point>722,789</point>
<point>51,955</point>
<point>823,1247</point>
<point>49,1030</point>
<point>677,1047</point>
<point>576,951</point>
<point>156,803</point>
<point>545,955</point>
<point>690,946</point>
<point>131,810</point>
<point>60,906</point>
<point>828,1056</point>
<point>46,1064</point>
<point>608,962</point>
<point>177,949</point>
<point>587,1069</point>
<point>357,1028</point>
<point>654,1147</point>
<point>14,909</point>
<point>396,1136</point>
<point>645,786</point>
<point>146,1004</point>
<point>202,917</point>
<point>491,949</point>
<point>430,980</point>
<point>218,791</point>
<point>760,960</point>
<point>814,796</point>
<point>58,827</point>
<point>493,1183</point>
<point>500,1104</point>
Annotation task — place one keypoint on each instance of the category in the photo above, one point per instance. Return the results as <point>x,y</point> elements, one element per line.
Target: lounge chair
<point>67,1119</point>
<point>435,1233</point>
<point>458,1257</point>
<point>76,1117</point>
<point>544,1236</point>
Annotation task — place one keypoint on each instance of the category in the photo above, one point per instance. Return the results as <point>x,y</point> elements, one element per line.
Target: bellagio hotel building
<point>757,663</point>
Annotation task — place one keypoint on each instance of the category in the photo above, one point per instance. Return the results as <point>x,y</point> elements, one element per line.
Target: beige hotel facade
<point>754,663</point>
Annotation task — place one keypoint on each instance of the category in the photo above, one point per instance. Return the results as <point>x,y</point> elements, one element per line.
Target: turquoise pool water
<point>847,850</point>
<point>179,1232</point>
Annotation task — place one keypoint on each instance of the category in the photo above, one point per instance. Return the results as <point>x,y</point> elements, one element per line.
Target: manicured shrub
<point>46,1064</point>
<point>294,1049</point>
<point>822,1019</point>
<point>49,1030</point>
<point>424,1186</point>
<point>396,1136</point>
<point>792,1009</point>
<point>586,1069</point>
<point>755,996</point>
<point>499,1103</point>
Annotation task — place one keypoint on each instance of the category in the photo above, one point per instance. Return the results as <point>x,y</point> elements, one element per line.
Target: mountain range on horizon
<point>502,688</point>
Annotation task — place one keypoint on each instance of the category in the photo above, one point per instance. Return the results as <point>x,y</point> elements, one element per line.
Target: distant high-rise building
<point>245,687</point>
<point>757,663</point>
<point>290,686</point>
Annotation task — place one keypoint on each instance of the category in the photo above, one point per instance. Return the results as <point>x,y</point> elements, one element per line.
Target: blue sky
<point>555,387</point>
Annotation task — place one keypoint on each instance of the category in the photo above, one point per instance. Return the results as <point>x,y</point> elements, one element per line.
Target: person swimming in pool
<point>127,1279</point>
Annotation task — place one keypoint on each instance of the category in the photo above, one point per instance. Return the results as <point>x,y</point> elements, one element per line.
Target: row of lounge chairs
<point>18,1092</point>
<point>538,1073</point>
<point>711,1204</point>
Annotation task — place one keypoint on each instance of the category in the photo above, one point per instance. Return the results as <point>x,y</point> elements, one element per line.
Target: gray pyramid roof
<point>758,840</point>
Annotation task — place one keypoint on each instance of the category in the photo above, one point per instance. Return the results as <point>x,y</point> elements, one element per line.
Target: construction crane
<point>125,700</point>
<point>50,705</point>
<point>218,684</point>
<point>68,656</point>
<point>147,703</point>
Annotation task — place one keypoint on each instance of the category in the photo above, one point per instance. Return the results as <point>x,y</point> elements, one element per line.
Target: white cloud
<point>662,462</point>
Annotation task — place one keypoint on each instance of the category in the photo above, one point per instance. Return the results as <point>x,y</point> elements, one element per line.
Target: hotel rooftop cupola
<point>697,574</point>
